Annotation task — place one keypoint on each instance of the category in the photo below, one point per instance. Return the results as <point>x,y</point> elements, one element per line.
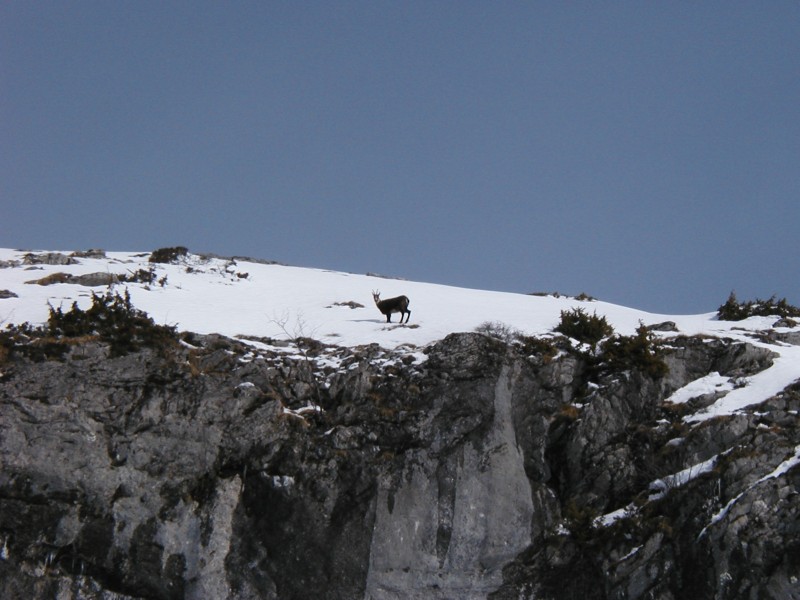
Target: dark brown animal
<point>393,305</point>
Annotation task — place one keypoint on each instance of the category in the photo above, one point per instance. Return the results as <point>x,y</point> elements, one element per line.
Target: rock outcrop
<point>219,469</point>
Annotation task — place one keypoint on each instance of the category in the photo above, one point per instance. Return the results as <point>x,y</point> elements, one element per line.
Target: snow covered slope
<point>214,295</point>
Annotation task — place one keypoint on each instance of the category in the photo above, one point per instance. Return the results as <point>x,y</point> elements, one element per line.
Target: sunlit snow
<point>232,298</point>
<point>711,383</point>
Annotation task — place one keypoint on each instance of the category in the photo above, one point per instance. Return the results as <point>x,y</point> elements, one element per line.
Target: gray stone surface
<point>198,471</point>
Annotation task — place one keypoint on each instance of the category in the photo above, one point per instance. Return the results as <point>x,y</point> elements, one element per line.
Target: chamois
<point>392,305</point>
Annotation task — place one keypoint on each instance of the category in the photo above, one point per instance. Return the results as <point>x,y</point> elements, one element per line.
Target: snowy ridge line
<point>197,298</point>
<point>234,298</point>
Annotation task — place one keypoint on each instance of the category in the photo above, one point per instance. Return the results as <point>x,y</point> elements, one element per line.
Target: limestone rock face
<point>220,470</point>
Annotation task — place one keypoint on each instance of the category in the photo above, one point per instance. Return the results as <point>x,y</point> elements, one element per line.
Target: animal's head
<point>376,295</point>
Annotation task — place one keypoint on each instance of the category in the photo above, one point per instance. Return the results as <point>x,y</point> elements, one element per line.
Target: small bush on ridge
<point>113,319</point>
<point>498,330</point>
<point>168,255</point>
<point>14,337</point>
<point>585,328</point>
<point>638,352</point>
<point>733,310</point>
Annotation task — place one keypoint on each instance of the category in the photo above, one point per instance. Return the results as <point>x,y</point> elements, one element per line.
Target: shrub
<point>733,310</point>
<point>585,328</point>
<point>145,276</point>
<point>534,346</point>
<point>581,519</point>
<point>498,330</point>
<point>168,255</point>
<point>113,319</point>
<point>30,341</point>
<point>639,352</point>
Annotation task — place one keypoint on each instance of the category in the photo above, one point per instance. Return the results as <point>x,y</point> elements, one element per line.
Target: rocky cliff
<point>216,468</point>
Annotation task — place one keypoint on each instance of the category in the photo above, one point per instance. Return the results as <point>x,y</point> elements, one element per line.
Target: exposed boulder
<point>91,253</point>
<point>48,258</point>
<point>95,279</point>
<point>51,279</point>
<point>88,279</point>
<point>664,326</point>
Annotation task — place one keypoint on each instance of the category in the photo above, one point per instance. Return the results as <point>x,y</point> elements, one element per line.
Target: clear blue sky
<point>646,153</point>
